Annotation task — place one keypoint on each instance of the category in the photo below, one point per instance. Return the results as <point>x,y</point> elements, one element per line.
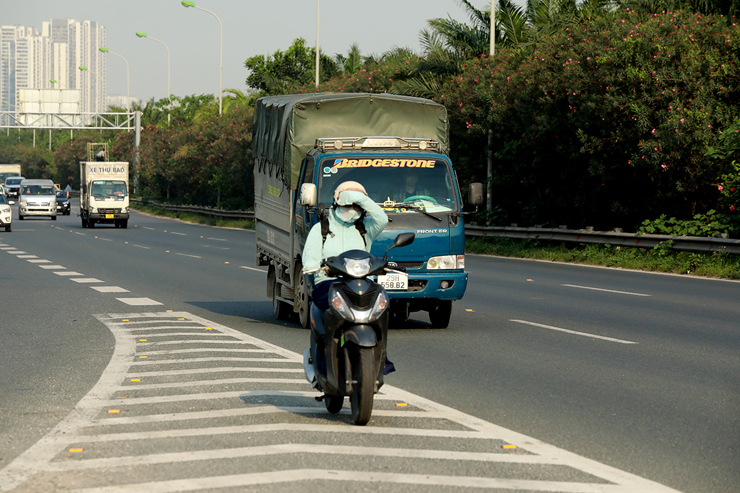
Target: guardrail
<point>635,240</point>
<point>685,243</point>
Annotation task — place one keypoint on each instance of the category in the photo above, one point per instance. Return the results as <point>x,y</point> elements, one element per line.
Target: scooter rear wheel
<point>334,403</point>
<point>363,372</point>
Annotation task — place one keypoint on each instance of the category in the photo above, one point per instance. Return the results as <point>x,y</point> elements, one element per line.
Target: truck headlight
<point>94,210</point>
<point>446,262</point>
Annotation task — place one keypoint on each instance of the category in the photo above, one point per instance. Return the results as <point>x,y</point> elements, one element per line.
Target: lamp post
<point>186,4</point>
<point>169,93</point>
<point>489,171</point>
<point>317,44</point>
<point>128,93</point>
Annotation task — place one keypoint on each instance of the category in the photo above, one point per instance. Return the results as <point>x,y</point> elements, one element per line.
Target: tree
<point>284,72</point>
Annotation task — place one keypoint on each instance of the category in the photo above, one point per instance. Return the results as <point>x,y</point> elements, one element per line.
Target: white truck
<point>104,193</point>
<point>7,170</point>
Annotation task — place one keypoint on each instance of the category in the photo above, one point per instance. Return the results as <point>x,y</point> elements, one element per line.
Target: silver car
<point>37,198</point>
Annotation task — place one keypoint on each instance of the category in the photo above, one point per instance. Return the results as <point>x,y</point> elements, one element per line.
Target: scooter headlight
<point>340,305</point>
<point>357,268</point>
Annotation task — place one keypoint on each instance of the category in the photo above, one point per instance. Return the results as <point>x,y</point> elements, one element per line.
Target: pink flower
<point>663,166</point>
<point>720,188</point>
<point>732,207</point>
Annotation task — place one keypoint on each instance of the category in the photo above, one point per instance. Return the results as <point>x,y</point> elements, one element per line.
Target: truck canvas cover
<point>286,127</point>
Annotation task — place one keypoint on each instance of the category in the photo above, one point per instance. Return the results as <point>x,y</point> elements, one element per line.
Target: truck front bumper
<point>434,285</point>
<point>102,217</point>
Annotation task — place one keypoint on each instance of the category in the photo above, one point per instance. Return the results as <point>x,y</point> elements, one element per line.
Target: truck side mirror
<point>401,240</point>
<point>308,195</point>
<point>475,194</point>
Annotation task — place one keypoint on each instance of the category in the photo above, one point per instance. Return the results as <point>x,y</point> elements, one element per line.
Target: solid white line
<point>573,332</point>
<point>292,448</point>
<point>193,341</point>
<point>222,369</point>
<point>606,290</point>
<point>359,477</point>
<point>163,327</point>
<point>204,350</point>
<point>186,255</point>
<point>205,360</point>
<point>210,333</point>
<point>252,268</point>
<point>203,383</point>
<point>269,428</point>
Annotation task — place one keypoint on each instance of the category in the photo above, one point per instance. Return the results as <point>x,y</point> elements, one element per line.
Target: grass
<point>659,259</point>
<point>195,218</point>
<point>719,265</point>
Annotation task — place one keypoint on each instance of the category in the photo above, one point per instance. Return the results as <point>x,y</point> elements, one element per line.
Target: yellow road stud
<point>401,404</point>
<point>143,357</point>
<point>113,411</point>
<point>509,446</point>
<point>75,450</point>
<point>136,379</point>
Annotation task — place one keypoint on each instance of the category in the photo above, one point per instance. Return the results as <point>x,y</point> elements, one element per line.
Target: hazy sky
<point>250,27</point>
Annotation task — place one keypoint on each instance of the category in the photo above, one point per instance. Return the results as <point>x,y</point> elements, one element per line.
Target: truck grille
<point>109,211</point>
<point>410,265</point>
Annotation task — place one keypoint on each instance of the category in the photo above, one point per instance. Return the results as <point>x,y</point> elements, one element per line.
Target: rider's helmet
<point>348,185</point>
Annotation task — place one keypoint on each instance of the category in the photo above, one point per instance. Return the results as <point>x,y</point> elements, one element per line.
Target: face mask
<point>347,214</point>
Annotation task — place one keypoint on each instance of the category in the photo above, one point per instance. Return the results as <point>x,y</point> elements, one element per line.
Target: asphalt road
<point>588,371</point>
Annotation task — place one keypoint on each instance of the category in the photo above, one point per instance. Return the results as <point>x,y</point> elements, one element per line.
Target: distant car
<point>37,198</point>
<point>6,216</point>
<point>12,185</point>
<point>63,202</point>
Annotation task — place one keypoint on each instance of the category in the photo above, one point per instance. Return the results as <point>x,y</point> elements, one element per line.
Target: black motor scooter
<point>348,341</point>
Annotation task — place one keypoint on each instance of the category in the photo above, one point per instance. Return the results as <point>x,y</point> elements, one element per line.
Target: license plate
<point>395,282</point>
<point>109,216</point>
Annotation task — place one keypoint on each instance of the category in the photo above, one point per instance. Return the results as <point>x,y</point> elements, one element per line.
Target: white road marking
<point>8,248</point>
<point>139,301</point>
<point>217,248</point>
<point>217,239</point>
<point>186,255</point>
<point>104,239</point>
<point>140,246</point>
<point>52,267</point>
<point>277,477</point>
<point>176,233</point>
<point>40,261</point>
<point>16,252</point>
<point>573,332</point>
<point>202,350</point>
<point>81,234</point>
<point>252,268</point>
<point>205,360</point>
<point>27,256</point>
<point>68,273</point>
<point>86,280</point>
<point>606,290</point>
<point>88,425</point>
<point>193,341</point>
<point>110,289</point>
<point>144,227</point>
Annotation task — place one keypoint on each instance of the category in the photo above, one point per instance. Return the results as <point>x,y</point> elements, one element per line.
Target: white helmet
<point>348,185</point>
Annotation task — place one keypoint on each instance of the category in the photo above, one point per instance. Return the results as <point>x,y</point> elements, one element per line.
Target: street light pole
<point>169,93</point>
<point>317,45</point>
<point>489,174</point>
<point>186,3</point>
<point>128,93</point>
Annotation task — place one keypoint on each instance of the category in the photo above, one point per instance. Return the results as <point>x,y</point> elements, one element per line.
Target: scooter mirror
<point>401,240</point>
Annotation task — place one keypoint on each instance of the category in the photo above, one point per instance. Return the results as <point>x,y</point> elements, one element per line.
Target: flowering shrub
<point>607,122</point>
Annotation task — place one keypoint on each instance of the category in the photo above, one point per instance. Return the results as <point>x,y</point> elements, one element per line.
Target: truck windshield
<point>397,185</point>
<point>109,188</point>
<point>3,176</point>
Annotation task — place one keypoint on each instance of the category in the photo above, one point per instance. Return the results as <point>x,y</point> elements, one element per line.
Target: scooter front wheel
<point>363,373</point>
<point>334,403</point>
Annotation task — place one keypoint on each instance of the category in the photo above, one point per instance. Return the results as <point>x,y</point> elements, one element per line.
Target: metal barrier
<point>635,240</point>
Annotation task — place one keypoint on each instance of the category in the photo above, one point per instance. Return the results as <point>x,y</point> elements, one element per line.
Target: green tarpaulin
<point>286,127</point>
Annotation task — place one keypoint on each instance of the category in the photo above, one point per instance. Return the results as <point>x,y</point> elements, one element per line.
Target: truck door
<point>304,220</point>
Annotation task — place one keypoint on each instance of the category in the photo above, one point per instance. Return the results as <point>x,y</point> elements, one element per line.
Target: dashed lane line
<point>186,255</point>
<point>605,290</point>
<point>585,334</point>
<point>252,268</point>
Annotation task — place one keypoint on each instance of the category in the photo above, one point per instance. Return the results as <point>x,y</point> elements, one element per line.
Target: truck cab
<point>415,185</point>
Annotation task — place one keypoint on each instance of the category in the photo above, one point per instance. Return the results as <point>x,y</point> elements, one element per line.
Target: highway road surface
<point>148,359</point>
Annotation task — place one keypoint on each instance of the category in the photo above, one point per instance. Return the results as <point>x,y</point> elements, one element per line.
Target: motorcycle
<point>347,356</point>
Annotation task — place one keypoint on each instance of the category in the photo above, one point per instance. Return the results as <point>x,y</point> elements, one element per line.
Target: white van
<point>37,198</point>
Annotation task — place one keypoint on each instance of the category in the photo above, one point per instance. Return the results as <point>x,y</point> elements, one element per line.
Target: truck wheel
<point>302,298</point>
<point>84,222</point>
<point>280,309</point>
<point>53,218</point>
<point>439,316</point>
<point>8,228</point>
<point>124,224</point>
<point>90,223</point>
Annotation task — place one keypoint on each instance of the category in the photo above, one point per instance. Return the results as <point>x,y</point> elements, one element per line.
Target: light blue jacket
<point>346,237</point>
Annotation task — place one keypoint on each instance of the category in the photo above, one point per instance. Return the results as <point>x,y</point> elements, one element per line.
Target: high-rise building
<point>29,59</point>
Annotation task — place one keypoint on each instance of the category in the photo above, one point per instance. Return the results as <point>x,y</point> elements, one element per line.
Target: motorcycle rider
<point>354,221</point>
